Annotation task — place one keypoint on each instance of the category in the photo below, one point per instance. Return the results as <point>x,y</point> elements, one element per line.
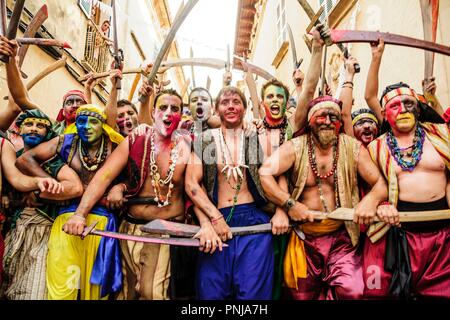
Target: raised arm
<point>15,84</point>
<point>111,105</point>
<point>145,108</point>
<point>8,114</point>
<point>312,77</point>
<point>429,91</point>
<point>193,188</point>
<point>371,92</point>
<point>346,95</point>
<point>30,161</point>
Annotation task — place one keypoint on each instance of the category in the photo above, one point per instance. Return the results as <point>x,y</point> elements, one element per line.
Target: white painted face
<point>200,104</point>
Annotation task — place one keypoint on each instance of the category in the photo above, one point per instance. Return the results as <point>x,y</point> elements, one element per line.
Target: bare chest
<point>430,161</point>
<point>270,141</point>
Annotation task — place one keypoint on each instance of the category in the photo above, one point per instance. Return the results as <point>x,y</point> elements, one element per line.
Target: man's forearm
<point>371,91</point>
<point>307,94</point>
<point>28,165</point>
<point>273,191</point>
<point>201,200</point>
<point>111,107</point>
<point>15,84</point>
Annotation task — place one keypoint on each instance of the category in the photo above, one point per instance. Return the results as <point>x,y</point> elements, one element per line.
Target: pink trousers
<point>334,269</point>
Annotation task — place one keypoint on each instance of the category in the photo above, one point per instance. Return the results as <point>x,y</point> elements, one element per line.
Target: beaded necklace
<point>92,164</point>
<point>157,181</point>
<point>400,153</point>
<point>232,170</point>
<point>282,126</point>
<point>319,177</point>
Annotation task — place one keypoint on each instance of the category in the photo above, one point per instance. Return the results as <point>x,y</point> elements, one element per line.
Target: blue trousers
<point>244,270</point>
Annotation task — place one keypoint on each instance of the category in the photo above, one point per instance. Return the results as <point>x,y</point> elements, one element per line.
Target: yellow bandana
<point>93,111</point>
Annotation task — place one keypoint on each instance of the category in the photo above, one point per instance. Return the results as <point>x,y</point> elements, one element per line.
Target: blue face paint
<point>31,139</point>
<point>82,125</point>
<point>89,128</point>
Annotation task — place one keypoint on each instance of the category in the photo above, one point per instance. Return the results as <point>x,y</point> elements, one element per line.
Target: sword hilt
<point>88,230</point>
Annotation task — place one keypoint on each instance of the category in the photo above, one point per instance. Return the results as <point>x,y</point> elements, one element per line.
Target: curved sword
<point>252,68</point>
<point>341,36</point>
<point>168,41</point>
<point>200,62</point>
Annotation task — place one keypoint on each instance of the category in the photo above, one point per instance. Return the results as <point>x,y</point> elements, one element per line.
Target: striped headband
<point>91,114</point>
<point>364,116</point>
<point>398,92</point>
<point>322,105</point>
<point>38,120</point>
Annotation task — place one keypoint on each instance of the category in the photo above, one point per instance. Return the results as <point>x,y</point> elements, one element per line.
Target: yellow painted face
<point>275,102</point>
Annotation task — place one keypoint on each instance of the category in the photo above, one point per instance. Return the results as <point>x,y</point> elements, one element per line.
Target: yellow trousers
<point>70,261</point>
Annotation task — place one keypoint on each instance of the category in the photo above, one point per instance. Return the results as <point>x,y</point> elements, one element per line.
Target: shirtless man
<point>321,259</point>
<point>223,182</point>
<point>84,147</point>
<point>159,151</point>
<point>413,155</point>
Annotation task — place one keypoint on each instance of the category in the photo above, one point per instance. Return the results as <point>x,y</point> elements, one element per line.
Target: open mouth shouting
<point>275,109</point>
<point>200,112</point>
<point>167,123</point>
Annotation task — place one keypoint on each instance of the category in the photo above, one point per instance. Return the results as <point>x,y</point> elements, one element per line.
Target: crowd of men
<point>308,157</point>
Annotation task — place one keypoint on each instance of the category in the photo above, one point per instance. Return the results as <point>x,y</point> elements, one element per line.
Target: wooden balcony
<point>97,55</point>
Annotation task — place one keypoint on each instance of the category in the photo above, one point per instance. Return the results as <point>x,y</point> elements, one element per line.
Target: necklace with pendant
<point>231,170</point>
<point>92,163</point>
<point>157,181</point>
<point>319,177</point>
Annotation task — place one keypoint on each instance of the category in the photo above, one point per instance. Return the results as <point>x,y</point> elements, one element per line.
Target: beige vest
<point>347,175</point>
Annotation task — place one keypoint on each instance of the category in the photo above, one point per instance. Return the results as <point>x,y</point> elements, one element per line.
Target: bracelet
<point>385,203</point>
<point>345,86</point>
<point>348,82</point>
<point>214,220</point>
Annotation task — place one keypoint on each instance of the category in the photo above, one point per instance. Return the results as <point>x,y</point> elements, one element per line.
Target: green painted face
<point>274,102</point>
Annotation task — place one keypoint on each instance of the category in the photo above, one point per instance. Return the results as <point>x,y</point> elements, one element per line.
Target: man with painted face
<point>200,105</point>
<point>26,243</point>
<point>127,117</point>
<point>362,123</point>
<point>413,150</point>
<point>94,260</point>
<point>223,182</point>
<point>321,261</point>
<point>155,163</point>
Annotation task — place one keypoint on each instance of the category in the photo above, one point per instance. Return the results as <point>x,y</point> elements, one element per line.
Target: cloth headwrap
<point>398,92</point>
<point>363,113</point>
<point>79,93</point>
<point>42,117</point>
<point>426,113</point>
<point>323,102</point>
<point>93,111</point>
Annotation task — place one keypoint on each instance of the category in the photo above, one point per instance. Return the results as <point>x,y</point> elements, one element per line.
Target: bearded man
<point>321,261</point>
<point>26,243</point>
<point>412,150</point>
<point>147,158</point>
<point>95,261</point>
